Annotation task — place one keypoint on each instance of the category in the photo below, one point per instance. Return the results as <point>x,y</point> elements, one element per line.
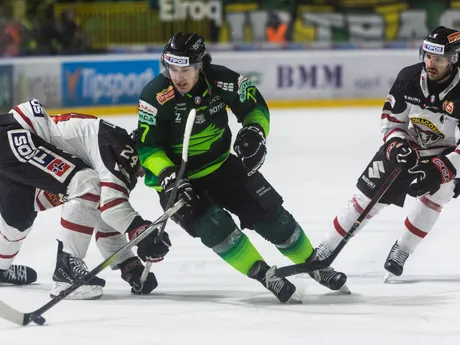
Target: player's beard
<point>437,76</point>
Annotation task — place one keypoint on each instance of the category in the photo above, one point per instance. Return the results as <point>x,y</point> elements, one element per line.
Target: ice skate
<point>70,269</point>
<point>395,262</point>
<point>282,288</point>
<point>328,277</point>
<point>18,275</point>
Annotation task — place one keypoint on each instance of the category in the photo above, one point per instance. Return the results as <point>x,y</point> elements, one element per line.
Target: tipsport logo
<point>100,83</point>
<point>433,48</point>
<point>177,60</point>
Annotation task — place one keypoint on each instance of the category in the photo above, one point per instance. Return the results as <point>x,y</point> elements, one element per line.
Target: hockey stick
<point>321,263</point>
<point>22,319</point>
<point>180,174</point>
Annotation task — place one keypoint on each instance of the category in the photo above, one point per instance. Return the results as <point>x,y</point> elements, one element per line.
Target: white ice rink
<point>314,158</point>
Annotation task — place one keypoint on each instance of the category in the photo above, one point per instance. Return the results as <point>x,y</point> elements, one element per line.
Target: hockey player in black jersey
<point>418,124</point>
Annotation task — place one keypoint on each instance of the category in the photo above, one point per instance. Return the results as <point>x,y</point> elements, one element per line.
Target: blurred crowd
<point>63,27</point>
<point>38,31</point>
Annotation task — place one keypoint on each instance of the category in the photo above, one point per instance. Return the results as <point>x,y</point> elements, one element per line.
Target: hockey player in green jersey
<point>217,182</point>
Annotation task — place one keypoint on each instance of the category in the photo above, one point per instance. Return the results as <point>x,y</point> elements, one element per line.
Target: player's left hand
<point>250,147</point>
<point>151,248</point>
<point>432,173</point>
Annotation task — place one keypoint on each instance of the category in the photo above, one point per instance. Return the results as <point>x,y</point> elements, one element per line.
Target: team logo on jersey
<point>448,107</point>
<point>426,131</point>
<point>197,100</point>
<point>24,149</point>
<point>246,90</point>
<point>165,95</point>
<point>432,98</point>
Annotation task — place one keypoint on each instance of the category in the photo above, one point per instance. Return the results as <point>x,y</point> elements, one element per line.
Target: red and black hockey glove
<point>432,173</point>
<point>150,248</point>
<point>131,271</point>
<point>400,154</point>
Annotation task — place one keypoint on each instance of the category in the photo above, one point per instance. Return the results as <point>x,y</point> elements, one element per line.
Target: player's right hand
<point>400,154</point>
<point>185,191</point>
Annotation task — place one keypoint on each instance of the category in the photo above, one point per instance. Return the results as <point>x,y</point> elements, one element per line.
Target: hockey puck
<point>39,320</point>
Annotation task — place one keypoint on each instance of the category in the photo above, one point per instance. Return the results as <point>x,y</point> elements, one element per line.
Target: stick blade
<point>13,315</point>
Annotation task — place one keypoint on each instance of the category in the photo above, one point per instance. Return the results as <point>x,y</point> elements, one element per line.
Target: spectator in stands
<point>276,29</point>
<point>73,40</point>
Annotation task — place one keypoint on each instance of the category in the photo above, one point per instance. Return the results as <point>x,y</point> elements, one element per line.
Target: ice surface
<point>314,158</point>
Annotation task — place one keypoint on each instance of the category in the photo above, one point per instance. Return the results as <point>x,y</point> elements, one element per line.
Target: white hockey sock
<point>347,217</point>
<point>419,223</point>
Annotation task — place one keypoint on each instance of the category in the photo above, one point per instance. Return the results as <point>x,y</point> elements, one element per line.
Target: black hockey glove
<point>185,191</point>
<point>432,173</point>
<point>131,271</point>
<point>150,248</point>
<point>400,154</point>
<point>250,147</point>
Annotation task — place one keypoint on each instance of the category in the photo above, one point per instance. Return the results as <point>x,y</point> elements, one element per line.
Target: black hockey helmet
<point>184,49</point>
<point>444,42</point>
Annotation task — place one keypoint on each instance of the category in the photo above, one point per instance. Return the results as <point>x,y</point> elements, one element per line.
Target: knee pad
<point>214,226</point>
<point>85,181</point>
<point>278,227</point>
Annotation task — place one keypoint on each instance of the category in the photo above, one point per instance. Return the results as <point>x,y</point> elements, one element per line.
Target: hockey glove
<point>131,271</point>
<point>185,191</point>
<point>151,248</point>
<point>400,154</point>
<point>250,147</point>
<point>432,173</point>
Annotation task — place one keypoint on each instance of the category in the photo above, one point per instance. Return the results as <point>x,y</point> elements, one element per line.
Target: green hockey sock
<point>285,233</point>
<point>238,251</point>
<point>298,247</point>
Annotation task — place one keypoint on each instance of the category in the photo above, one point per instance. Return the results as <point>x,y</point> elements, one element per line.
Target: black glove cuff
<point>256,125</point>
<point>137,222</point>
<point>167,175</point>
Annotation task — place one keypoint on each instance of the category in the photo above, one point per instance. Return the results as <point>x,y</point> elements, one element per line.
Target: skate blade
<point>344,290</point>
<point>388,278</point>
<point>294,299</point>
<point>85,292</point>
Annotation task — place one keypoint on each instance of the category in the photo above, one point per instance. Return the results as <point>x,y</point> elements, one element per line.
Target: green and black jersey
<point>163,113</point>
